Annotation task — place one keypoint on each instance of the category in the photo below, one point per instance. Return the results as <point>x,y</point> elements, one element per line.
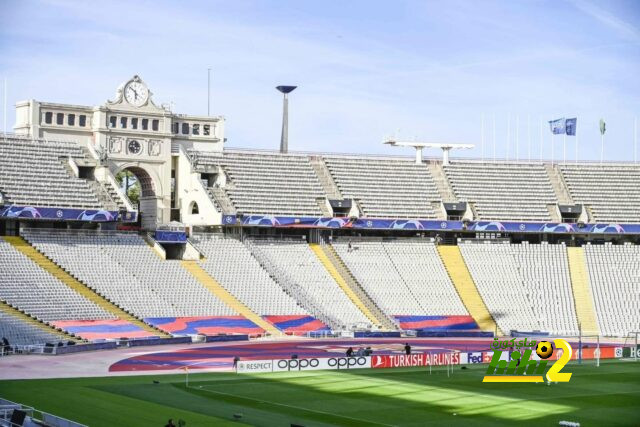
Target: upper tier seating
<point>525,287</point>
<point>614,274</point>
<point>273,184</point>
<point>32,174</point>
<point>123,268</point>
<point>18,332</point>
<point>503,192</point>
<point>24,285</point>
<point>232,265</point>
<point>389,188</point>
<point>302,265</point>
<point>611,192</point>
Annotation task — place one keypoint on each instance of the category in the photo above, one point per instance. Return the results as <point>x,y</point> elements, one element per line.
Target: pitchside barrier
<point>347,363</point>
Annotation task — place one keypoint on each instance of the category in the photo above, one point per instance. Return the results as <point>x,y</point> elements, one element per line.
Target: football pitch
<point>595,396</point>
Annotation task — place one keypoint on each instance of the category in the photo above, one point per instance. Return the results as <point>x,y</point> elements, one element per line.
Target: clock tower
<point>129,132</point>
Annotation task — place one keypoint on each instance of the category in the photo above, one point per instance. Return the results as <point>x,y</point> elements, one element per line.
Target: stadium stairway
<point>582,297</point>
<point>466,288</point>
<point>338,271</point>
<point>56,271</point>
<point>225,296</point>
<point>25,318</point>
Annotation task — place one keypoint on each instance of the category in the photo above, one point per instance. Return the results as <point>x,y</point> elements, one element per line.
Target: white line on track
<point>294,407</point>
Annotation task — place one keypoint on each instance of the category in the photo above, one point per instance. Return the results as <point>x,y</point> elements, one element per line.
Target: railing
<point>7,407</point>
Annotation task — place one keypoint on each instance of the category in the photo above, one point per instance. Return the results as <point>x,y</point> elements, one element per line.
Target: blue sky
<point>365,69</point>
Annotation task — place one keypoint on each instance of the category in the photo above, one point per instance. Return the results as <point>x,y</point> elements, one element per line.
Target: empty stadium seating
<point>274,184</point>
<point>614,273</point>
<point>26,286</point>
<point>233,266</point>
<point>18,332</point>
<point>301,264</point>
<point>503,191</point>
<point>526,287</point>
<point>32,173</point>
<point>386,188</point>
<point>122,267</point>
<point>610,192</point>
<point>402,277</point>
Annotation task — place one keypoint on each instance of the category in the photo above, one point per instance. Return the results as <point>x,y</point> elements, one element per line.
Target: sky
<point>431,71</point>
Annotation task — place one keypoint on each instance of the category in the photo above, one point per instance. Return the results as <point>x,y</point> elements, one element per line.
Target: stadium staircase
<point>225,296</point>
<point>558,184</point>
<point>324,176</point>
<point>582,297</point>
<point>338,271</point>
<point>442,184</point>
<point>25,318</point>
<point>466,288</point>
<point>56,271</point>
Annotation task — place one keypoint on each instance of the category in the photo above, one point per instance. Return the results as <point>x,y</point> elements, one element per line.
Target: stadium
<point>149,271</point>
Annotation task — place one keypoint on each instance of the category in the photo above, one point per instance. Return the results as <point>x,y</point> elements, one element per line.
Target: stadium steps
<point>442,183</point>
<point>330,260</point>
<point>326,180</point>
<point>559,185</point>
<point>582,297</point>
<point>25,318</point>
<point>56,271</point>
<point>225,296</point>
<point>465,286</point>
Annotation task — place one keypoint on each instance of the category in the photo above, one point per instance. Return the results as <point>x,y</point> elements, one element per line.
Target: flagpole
<point>482,137</point>
<point>601,147</point>
<point>508,134</point>
<point>553,147</point>
<point>564,148</point>
<point>529,136</point>
<point>540,125</point>
<point>635,140</point>
<point>576,147</point>
<point>494,137</point>
<point>517,137</point>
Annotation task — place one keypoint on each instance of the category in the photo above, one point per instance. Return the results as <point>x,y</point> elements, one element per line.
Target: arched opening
<point>139,187</point>
<point>194,208</point>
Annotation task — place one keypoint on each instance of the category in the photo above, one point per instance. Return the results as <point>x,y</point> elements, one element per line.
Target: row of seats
<point>267,183</point>
<point>403,278</point>
<point>525,287</point>
<point>385,188</point>
<point>502,191</point>
<point>18,332</point>
<point>614,274</point>
<point>124,269</point>
<point>32,173</point>
<point>23,284</point>
<point>230,262</point>
<point>611,192</point>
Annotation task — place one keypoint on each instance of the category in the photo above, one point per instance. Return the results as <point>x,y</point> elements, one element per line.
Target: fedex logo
<point>476,357</point>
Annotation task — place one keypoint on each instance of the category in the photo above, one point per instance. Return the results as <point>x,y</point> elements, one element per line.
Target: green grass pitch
<point>608,395</point>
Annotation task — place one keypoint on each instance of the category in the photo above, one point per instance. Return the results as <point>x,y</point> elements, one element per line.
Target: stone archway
<point>150,197</point>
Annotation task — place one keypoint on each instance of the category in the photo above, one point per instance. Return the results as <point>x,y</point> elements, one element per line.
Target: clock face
<point>134,147</point>
<point>136,94</point>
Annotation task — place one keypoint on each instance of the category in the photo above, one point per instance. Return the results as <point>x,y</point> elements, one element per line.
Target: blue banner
<point>557,126</point>
<point>570,126</point>
<point>163,236</point>
<point>65,214</point>
<point>431,225</point>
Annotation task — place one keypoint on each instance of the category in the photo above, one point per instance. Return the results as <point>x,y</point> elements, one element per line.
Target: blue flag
<point>570,126</point>
<point>557,126</point>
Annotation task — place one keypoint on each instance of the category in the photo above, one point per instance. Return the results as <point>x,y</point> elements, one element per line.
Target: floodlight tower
<point>284,138</point>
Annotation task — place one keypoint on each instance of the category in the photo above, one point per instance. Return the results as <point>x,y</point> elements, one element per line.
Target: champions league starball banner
<point>428,225</point>
<point>64,214</point>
